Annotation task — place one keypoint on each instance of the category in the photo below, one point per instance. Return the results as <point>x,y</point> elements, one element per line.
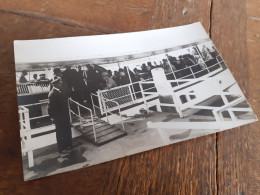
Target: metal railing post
<point>29,137</point>
<point>192,73</point>
<point>94,129</point>
<point>80,119</point>
<point>129,87</point>
<point>94,110</point>
<point>69,110</point>
<point>143,95</point>
<point>131,83</point>
<point>122,123</point>
<point>105,107</point>
<point>119,110</point>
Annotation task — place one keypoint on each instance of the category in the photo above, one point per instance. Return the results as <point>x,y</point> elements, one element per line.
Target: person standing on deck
<point>35,79</point>
<point>22,78</point>
<point>58,110</point>
<point>65,87</point>
<point>110,83</point>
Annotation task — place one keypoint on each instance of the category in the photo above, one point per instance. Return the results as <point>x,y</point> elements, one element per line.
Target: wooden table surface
<point>222,163</point>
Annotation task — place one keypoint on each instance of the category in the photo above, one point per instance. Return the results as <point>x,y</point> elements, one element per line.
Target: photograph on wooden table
<point>91,99</point>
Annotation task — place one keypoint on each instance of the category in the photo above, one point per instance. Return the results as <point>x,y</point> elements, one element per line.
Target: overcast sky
<point>99,46</point>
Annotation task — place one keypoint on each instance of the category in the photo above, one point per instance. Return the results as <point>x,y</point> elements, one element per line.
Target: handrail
<point>114,88</point>
<point>190,68</point>
<point>25,133</point>
<point>107,100</point>
<point>32,88</point>
<point>79,114</point>
<point>23,118</point>
<point>35,104</point>
<point>147,81</point>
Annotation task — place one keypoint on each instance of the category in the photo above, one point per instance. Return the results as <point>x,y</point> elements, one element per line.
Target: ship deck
<point>139,138</point>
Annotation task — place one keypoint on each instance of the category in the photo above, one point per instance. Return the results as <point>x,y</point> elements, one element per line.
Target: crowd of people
<point>35,79</point>
<point>81,81</point>
<point>170,64</point>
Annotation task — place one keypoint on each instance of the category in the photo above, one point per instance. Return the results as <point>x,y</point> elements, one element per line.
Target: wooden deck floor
<point>222,163</point>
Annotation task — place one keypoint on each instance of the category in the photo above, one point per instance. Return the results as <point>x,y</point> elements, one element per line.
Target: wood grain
<point>228,32</point>
<point>224,163</point>
<point>253,51</point>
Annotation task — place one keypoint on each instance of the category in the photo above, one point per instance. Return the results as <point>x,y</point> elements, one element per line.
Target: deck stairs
<point>105,132</point>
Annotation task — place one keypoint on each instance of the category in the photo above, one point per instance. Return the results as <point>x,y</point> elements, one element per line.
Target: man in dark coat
<point>59,112</point>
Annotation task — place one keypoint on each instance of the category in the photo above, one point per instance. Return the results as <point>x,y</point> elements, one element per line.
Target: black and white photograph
<point>91,99</point>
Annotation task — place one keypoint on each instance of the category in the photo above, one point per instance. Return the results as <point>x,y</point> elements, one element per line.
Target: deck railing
<point>25,134</point>
<point>32,88</point>
<point>130,93</point>
<point>106,109</point>
<point>78,114</point>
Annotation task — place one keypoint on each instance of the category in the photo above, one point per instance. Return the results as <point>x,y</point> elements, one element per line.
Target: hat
<point>55,80</point>
<point>56,70</point>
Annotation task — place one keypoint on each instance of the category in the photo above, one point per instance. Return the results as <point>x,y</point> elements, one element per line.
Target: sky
<point>101,46</point>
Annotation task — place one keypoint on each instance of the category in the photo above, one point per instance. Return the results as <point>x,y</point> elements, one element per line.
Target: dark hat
<point>56,70</point>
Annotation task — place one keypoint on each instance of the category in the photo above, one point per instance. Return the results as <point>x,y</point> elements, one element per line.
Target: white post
<point>105,107</point>
<point>29,144</point>
<point>164,89</point>
<point>192,73</point>
<point>69,110</point>
<point>201,57</point>
<point>80,119</point>
<point>232,115</point>
<point>91,95</point>
<point>94,129</point>
<point>143,95</point>
<point>129,87</point>
<point>131,83</point>
<point>101,102</point>
<point>173,73</point>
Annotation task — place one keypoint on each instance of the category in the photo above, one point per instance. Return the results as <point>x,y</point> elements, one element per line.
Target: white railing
<point>121,94</point>
<point>194,73</point>
<point>106,110</point>
<point>32,88</point>
<point>193,91</point>
<point>44,112</point>
<point>79,115</point>
<point>220,122</point>
<point>127,94</point>
<point>31,139</point>
<point>25,134</point>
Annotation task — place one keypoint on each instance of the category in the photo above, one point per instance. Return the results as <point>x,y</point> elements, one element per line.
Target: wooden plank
<point>181,168</point>
<point>228,31</point>
<point>102,16</point>
<point>187,167</point>
<point>19,27</point>
<point>253,46</point>
<point>174,169</point>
